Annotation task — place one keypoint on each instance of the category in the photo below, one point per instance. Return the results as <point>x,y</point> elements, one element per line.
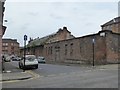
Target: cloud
<point>39,19</point>
<point>63,0</point>
<point>33,13</point>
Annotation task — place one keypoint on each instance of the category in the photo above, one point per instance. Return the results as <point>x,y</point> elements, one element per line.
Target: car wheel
<point>36,66</point>
<point>20,66</point>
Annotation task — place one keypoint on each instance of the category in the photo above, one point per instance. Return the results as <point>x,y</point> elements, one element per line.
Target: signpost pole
<point>25,39</point>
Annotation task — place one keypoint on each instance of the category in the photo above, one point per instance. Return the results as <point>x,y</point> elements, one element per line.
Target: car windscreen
<point>31,58</point>
<point>41,58</point>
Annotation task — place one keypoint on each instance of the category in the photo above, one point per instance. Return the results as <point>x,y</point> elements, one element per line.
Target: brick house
<point>10,46</point>
<point>2,28</point>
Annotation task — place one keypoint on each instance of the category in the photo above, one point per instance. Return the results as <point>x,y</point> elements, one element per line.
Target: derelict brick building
<point>100,48</point>
<point>80,50</point>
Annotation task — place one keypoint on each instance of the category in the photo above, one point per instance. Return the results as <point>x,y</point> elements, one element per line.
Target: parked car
<point>30,62</point>
<point>16,59</point>
<point>41,60</point>
<point>7,58</point>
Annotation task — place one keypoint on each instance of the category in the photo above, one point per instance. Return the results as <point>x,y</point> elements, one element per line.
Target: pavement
<point>14,73</point>
<point>109,66</point>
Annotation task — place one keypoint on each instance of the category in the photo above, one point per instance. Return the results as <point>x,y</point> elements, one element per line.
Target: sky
<point>41,18</point>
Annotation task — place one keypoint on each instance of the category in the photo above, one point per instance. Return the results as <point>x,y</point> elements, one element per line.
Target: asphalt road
<point>62,76</point>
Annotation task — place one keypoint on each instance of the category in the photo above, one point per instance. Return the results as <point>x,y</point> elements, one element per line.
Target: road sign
<point>25,37</point>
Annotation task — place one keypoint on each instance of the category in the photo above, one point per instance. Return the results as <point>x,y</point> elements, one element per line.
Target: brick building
<point>10,46</point>
<point>112,25</point>
<point>80,50</point>
<point>100,48</point>
<point>36,46</point>
<point>2,28</point>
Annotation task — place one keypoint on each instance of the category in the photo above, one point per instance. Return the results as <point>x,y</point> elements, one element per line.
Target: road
<point>62,76</point>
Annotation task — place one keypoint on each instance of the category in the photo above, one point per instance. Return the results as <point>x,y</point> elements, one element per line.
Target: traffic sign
<point>25,37</point>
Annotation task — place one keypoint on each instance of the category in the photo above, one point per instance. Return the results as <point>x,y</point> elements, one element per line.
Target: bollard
<point>3,63</point>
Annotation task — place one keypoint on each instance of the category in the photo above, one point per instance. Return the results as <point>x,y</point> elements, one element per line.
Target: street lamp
<point>25,39</point>
<point>93,42</point>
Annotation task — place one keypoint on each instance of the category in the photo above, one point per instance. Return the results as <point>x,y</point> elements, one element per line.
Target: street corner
<point>15,77</point>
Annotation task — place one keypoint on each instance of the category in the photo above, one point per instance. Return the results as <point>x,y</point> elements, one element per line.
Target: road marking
<point>33,74</point>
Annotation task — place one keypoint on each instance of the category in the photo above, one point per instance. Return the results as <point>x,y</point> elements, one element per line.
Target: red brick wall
<point>112,47</point>
<point>79,50</point>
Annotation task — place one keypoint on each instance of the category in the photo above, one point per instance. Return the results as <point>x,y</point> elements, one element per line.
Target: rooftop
<point>113,21</point>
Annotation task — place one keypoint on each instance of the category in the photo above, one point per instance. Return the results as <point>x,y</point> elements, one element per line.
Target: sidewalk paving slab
<point>14,73</point>
<point>16,76</point>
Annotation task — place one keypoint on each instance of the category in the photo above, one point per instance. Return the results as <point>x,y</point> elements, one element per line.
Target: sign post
<point>25,39</point>
<point>93,42</point>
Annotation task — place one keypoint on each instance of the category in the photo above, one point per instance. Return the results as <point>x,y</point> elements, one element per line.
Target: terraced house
<point>62,47</point>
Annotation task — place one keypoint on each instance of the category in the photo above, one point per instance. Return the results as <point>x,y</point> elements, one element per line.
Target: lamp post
<point>93,42</point>
<point>25,39</point>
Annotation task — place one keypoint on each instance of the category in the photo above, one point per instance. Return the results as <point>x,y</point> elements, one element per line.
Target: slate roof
<point>113,21</point>
<point>46,39</point>
<point>40,41</point>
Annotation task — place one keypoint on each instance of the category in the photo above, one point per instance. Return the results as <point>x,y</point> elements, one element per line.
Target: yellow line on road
<point>33,74</point>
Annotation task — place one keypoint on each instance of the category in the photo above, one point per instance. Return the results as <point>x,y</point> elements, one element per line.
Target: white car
<point>41,60</point>
<point>7,58</point>
<point>30,62</point>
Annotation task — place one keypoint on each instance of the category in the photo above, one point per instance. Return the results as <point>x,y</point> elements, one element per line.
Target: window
<point>46,50</point>
<point>5,44</point>
<point>11,44</point>
<point>71,49</point>
<point>80,48</point>
<point>51,49</point>
<point>6,48</point>
<point>65,49</point>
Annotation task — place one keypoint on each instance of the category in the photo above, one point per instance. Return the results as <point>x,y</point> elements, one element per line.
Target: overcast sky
<point>38,19</point>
